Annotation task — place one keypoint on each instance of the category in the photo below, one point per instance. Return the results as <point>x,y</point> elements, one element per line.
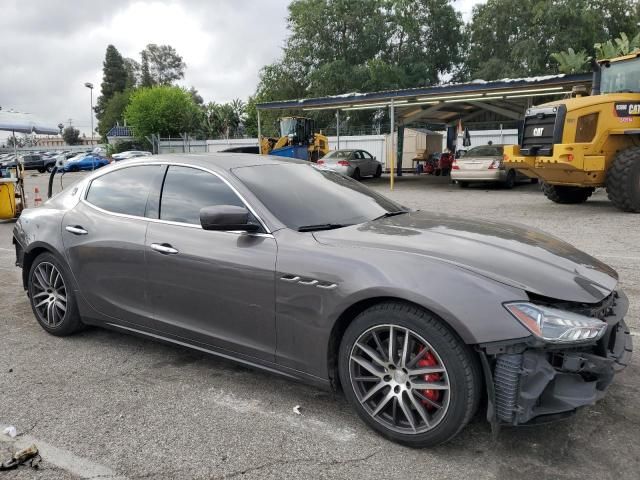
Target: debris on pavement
<point>296,410</point>
<point>21,457</point>
<point>10,431</point>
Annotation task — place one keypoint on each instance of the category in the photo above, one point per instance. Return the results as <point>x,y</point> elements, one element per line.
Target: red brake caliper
<point>434,395</point>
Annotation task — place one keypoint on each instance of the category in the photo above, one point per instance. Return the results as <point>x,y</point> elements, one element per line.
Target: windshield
<point>485,151</point>
<point>302,195</point>
<point>622,76</point>
<point>338,154</point>
<point>288,126</point>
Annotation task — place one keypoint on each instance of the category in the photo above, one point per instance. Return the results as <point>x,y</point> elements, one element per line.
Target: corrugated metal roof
<point>475,86</point>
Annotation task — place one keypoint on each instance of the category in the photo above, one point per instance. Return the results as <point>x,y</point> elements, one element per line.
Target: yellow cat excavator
<point>297,140</point>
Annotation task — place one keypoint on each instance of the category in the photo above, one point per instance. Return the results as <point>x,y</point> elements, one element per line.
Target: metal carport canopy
<point>443,104</point>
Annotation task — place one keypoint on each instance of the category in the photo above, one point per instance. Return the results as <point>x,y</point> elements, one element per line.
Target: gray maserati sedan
<point>285,266</point>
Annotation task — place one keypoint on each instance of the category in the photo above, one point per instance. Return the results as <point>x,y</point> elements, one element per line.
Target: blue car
<point>88,162</point>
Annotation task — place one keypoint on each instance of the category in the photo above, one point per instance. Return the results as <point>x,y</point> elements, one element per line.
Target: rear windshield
<point>338,154</point>
<point>485,151</point>
<point>303,194</point>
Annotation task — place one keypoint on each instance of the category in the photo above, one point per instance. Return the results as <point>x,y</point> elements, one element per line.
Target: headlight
<point>557,326</point>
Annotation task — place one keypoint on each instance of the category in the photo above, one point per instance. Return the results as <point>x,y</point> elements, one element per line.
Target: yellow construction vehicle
<point>577,144</point>
<point>297,140</point>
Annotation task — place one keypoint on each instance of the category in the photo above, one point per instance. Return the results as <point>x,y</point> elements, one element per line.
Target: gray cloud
<point>50,48</point>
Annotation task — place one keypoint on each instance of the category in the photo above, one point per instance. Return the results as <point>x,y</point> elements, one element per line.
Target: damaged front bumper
<point>532,382</point>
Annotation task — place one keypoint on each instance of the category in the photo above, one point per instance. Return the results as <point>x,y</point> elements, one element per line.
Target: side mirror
<point>225,218</point>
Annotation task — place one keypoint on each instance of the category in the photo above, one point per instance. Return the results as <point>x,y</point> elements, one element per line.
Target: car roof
<point>221,160</point>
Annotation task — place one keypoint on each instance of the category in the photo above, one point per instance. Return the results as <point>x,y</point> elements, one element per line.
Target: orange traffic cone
<point>37,199</point>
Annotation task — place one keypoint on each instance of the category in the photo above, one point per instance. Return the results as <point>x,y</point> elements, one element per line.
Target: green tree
<point>114,78</point>
<point>617,47</point>
<point>71,135</point>
<point>502,44</point>
<point>161,65</point>
<point>571,61</point>
<point>337,46</point>
<point>145,74</point>
<point>113,112</point>
<point>132,67</point>
<point>165,110</point>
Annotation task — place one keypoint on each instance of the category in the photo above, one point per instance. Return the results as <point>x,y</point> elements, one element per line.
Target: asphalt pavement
<point>106,405</point>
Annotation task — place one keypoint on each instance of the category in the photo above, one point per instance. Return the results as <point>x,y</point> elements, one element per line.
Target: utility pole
<point>89,85</point>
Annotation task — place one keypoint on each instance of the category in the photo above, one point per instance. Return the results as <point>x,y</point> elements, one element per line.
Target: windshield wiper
<point>323,226</point>
<point>392,214</point>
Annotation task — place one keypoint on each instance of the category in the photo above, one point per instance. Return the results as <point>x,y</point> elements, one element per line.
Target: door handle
<point>164,248</point>
<point>75,229</point>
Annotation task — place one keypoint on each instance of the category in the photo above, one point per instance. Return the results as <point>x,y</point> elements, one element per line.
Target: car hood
<point>511,254</point>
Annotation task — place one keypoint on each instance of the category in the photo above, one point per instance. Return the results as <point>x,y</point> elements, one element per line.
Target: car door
<point>371,164</point>
<point>211,287</point>
<point>104,241</point>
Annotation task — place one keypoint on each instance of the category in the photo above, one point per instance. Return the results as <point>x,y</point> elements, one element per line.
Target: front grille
<point>542,129</point>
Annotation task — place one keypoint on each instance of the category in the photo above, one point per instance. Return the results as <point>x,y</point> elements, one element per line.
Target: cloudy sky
<point>50,48</point>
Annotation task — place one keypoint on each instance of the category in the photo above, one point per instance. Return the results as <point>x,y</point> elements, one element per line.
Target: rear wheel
<point>378,173</point>
<point>41,170</point>
<point>356,174</point>
<point>407,375</point>
<point>623,180</point>
<point>566,194</point>
<point>510,181</point>
<point>50,167</point>
<point>463,184</point>
<point>51,296</point>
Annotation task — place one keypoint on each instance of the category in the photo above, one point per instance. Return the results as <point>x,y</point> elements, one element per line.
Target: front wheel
<point>623,180</point>
<point>51,296</point>
<point>356,174</point>
<point>50,167</point>
<point>566,194</point>
<point>407,375</point>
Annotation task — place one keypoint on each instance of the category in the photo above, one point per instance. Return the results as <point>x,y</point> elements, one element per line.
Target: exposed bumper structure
<point>567,165</point>
<point>536,383</point>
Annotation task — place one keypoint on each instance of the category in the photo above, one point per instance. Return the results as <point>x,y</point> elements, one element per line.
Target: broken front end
<point>568,362</point>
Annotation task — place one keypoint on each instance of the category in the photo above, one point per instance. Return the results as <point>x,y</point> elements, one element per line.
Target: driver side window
<point>186,190</point>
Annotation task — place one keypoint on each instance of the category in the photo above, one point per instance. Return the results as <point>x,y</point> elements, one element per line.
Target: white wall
<point>378,145</point>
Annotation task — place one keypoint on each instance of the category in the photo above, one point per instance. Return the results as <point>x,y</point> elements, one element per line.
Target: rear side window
<point>125,190</point>
<point>186,190</point>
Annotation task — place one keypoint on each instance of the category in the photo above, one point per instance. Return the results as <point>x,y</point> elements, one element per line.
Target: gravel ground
<point>102,404</point>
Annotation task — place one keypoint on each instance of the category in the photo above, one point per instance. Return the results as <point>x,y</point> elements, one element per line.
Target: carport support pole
<point>338,128</point>
<point>259,133</point>
<point>393,150</point>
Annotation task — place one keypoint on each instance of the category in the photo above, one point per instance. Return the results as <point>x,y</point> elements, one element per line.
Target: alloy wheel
<point>399,379</point>
<point>49,294</point>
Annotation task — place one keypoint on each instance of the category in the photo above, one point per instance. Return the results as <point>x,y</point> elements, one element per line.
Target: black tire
<point>534,181</point>
<point>463,184</point>
<point>41,170</point>
<point>510,182</point>
<point>566,194</point>
<point>74,169</point>
<point>378,173</point>
<point>356,174</point>
<point>67,321</point>
<point>50,167</point>
<point>623,180</point>
<point>461,373</point>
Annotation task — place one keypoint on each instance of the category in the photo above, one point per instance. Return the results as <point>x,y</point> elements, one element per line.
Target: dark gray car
<point>296,269</point>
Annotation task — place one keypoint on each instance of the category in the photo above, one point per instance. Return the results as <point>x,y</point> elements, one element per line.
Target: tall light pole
<point>89,85</point>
